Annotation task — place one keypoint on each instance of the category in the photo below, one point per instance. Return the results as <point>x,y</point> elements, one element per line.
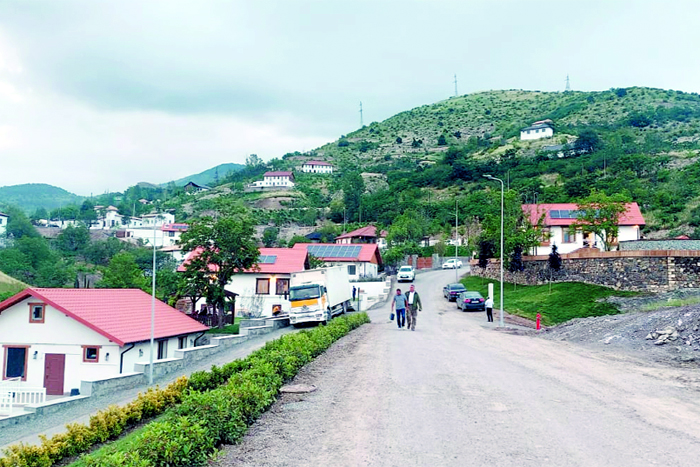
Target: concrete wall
<point>667,244</point>
<point>645,271</point>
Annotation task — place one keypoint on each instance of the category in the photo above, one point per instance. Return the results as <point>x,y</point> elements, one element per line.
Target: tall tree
<point>225,246</point>
<point>123,273</point>
<point>600,214</point>
<point>353,187</point>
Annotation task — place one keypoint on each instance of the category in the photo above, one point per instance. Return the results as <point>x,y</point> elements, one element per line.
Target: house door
<point>54,371</point>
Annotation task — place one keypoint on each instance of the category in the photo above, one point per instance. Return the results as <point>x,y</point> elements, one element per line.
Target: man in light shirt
<point>489,309</point>
<point>414,305</point>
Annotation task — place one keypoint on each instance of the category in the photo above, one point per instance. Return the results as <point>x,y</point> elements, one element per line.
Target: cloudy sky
<point>99,95</point>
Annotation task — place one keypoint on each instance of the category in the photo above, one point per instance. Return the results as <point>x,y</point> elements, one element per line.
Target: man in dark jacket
<point>414,306</point>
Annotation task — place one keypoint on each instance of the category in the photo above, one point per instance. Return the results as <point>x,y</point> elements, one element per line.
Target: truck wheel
<point>345,308</point>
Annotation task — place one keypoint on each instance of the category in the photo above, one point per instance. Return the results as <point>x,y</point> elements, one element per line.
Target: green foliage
<point>269,238</point>
<point>123,273</point>
<point>73,240</point>
<point>353,187</point>
<point>31,196</point>
<point>600,214</point>
<point>177,442</point>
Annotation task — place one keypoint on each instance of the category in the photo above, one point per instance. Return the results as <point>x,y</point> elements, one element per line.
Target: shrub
<point>176,442</point>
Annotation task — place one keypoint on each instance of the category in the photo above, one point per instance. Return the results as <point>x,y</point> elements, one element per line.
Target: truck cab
<point>309,302</point>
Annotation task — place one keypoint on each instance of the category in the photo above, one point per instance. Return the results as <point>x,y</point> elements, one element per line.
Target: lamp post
<point>456,242</point>
<point>153,305</point>
<point>491,177</point>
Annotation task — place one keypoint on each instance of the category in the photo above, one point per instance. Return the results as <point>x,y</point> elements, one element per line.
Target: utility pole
<point>362,122</point>
<point>568,84</point>
<point>456,93</point>
<point>456,241</point>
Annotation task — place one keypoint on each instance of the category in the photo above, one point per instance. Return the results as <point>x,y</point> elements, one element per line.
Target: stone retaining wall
<point>643,271</point>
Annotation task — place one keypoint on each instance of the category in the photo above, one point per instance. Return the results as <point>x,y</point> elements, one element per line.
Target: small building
<point>317,167</point>
<point>192,188</point>
<point>558,218</point>
<point>363,235</point>
<point>538,130</point>
<point>55,338</point>
<point>262,291</point>
<point>362,259</point>
<point>279,179</point>
<point>4,218</point>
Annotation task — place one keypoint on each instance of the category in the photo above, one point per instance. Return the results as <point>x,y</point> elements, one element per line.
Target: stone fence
<point>643,271</point>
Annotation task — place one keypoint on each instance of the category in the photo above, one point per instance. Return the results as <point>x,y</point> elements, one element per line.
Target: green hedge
<point>207,410</point>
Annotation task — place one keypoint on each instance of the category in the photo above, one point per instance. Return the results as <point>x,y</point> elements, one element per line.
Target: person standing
<point>489,309</point>
<point>399,303</point>
<point>414,306</point>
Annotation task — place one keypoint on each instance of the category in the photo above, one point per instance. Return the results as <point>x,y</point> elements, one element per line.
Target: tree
<point>399,140</point>
<point>554,259</point>
<point>253,161</point>
<point>442,141</point>
<point>516,260</point>
<point>600,214</point>
<point>19,225</point>
<point>225,246</point>
<point>486,251</point>
<point>296,238</point>
<point>315,262</point>
<point>269,238</point>
<point>123,273</point>
<point>73,240</point>
<point>353,186</point>
<point>409,227</point>
<point>587,142</point>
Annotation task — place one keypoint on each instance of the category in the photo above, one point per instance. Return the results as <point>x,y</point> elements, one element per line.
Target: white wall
<point>536,134</point>
<point>249,302</point>
<point>161,238</point>
<point>319,169</point>
<point>3,224</point>
<point>625,232</point>
<point>141,353</point>
<point>361,268</point>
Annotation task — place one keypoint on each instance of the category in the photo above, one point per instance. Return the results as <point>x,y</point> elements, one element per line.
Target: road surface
<point>459,392</point>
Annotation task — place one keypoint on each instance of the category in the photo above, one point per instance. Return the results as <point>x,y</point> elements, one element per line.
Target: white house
<point>4,218</point>
<point>55,338</point>
<point>165,236</point>
<point>263,291</point>
<point>538,130</point>
<point>558,219</point>
<point>280,179</point>
<point>317,167</point>
<point>361,259</point>
<point>363,235</point>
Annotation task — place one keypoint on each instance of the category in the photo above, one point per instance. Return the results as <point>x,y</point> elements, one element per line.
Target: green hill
<point>10,286</point>
<point>210,176</point>
<point>31,196</point>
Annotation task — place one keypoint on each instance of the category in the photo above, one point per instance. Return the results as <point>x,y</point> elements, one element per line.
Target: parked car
<point>453,263</point>
<point>471,301</point>
<point>452,291</point>
<point>406,274</point>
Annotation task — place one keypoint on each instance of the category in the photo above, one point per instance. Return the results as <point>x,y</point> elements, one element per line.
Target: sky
<point>97,96</point>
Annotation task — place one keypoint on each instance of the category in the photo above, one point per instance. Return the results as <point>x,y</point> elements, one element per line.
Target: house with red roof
<point>277,179</point>
<point>559,217</point>
<point>317,167</point>
<point>263,291</point>
<point>363,235</point>
<point>56,338</point>
<point>361,259</point>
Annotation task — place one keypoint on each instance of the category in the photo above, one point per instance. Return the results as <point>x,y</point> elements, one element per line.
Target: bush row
<point>105,425</point>
<point>215,407</point>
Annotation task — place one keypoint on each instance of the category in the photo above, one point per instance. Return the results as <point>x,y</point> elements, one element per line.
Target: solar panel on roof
<point>554,214</point>
<point>334,251</point>
<point>267,259</point>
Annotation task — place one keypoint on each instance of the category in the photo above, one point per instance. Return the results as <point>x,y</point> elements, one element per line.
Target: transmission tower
<point>362,122</point>
<point>568,85</point>
<point>456,93</point>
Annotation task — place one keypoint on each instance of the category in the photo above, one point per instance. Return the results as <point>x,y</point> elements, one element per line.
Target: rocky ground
<point>668,335</point>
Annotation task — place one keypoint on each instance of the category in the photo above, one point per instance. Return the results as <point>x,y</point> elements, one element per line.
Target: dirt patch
<point>273,204</point>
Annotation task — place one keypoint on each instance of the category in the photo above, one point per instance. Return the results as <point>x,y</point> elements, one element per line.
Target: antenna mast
<point>568,85</point>
<point>456,93</point>
<point>362,123</point>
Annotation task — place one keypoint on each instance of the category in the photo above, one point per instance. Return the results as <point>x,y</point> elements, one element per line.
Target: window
<point>91,354</point>
<point>282,286</point>
<point>262,286</point>
<point>352,269</point>
<point>15,362</point>
<point>162,350</point>
<point>36,312</point>
<point>182,342</point>
<point>546,237</point>
<point>568,237</point>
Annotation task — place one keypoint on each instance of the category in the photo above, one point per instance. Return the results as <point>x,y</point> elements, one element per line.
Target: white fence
<point>5,402</point>
<point>20,394</point>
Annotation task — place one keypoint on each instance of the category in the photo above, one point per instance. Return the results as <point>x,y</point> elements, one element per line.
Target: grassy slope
<point>31,196</point>
<point>567,300</point>
<point>208,176</point>
<point>10,286</point>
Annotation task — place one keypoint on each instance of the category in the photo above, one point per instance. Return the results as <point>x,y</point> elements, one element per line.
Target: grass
<point>567,300</point>
<point>10,286</point>
<point>671,303</point>
<point>228,329</point>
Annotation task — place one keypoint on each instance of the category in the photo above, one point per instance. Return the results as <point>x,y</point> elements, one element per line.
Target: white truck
<point>317,295</point>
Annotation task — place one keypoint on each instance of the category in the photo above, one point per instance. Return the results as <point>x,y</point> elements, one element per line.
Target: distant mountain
<point>31,196</point>
<point>208,176</point>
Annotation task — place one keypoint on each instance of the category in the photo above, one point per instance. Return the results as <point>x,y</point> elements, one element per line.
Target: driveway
<point>458,392</point>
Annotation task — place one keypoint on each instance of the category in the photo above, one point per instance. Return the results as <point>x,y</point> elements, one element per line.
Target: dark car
<point>471,301</point>
<point>452,291</point>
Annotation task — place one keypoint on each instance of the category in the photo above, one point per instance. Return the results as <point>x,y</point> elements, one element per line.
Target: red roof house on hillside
<point>363,235</point>
<point>86,334</point>
<point>558,217</point>
<point>362,259</point>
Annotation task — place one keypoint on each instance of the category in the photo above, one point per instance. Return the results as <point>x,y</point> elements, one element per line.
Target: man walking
<point>399,303</point>
<point>489,309</point>
<point>414,306</point>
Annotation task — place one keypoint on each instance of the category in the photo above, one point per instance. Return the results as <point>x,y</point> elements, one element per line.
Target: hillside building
<point>363,235</point>
<point>4,218</point>
<point>317,167</point>
<point>558,218</point>
<point>538,130</point>
<point>361,259</point>
<point>279,179</point>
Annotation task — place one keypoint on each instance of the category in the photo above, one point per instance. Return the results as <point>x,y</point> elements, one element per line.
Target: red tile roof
<point>175,227</point>
<point>121,315</point>
<point>369,231</point>
<point>633,216</point>
<point>316,163</point>
<point>369,253</point>
<point>287,260</point>
<point>277,174</point>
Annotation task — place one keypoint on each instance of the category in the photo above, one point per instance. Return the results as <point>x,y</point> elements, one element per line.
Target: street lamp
<point>491,177</point>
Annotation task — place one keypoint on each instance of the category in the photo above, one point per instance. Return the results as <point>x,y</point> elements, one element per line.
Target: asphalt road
<point>460,392</point>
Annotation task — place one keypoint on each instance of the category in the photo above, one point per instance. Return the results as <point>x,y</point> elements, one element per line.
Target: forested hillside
<point>31,196</point>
